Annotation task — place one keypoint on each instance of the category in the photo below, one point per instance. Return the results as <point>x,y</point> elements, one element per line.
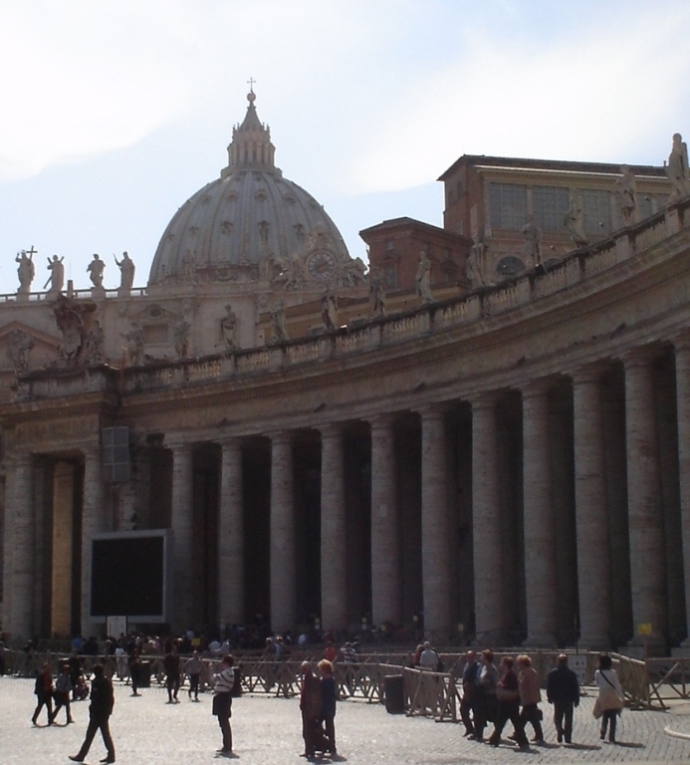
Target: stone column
<point>333,533</point>
<point>283,563</point>
<point>231,536</point>
<point>682,346</point>
<point>182,524</point>
<point>19,548</point>
<point>93,521</point>
<point>538,521</point>
<point>436,586</point>
<point>591,511</point>
<point>645,511</point>
<point>486,513</point>
<point>385,532</point>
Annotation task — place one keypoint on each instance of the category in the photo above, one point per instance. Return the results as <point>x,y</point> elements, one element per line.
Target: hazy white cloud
<point>597,97</point>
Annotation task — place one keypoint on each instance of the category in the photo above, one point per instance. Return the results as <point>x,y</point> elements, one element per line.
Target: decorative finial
<point>250,96</point>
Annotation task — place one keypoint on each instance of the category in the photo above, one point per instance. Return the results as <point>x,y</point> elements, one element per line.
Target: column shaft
<point>682,345</point>
<point>540,533</point>
<point>92,522</point>
<point>486,513</point>
<point>385,532</point>
<point>19,542</point>
<point>593,559</point>
<point>283,563</point>
<point>333,532</point>
<point>182,528</point>
<point>645,511</point>
<point>231,537</point>
<point>436,586</point>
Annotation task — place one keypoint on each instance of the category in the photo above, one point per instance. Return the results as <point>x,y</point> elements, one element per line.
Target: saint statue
<point>677,168</point>
<point>95,271</point>
<point>627,189</point>
<point>329,310</point>
<point>531,248</point>
<point>377,293</point>
<point>57,275</point>
<point>424,279</point>
<point>279,324</point>
<point>228,329</point>
<point>575,221</point>
<point>26,270</point>
<point>475,264</point>
<point>127,267</point>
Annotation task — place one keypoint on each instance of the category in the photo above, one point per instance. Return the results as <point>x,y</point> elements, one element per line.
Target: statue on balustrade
<point>531,249</point>
<point>476,266</point>
<point>95,271</point>
<point>228,329</point>
<point>377,292</point>
<point>127,268</point>
<point>57,275</point>
<point>26,270</point>
<point>677,169</point>
<point>575,221</point>
<point>181,330</point>
<point>423,279</point>
<point>627,191</point>
<point>279,324</point>
<point>329,310</point>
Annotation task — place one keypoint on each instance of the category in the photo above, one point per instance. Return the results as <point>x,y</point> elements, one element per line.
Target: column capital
<point>485,400</point>
<point>588,373</point>
<point>635,358</point>
<point>280,436</point>
<point>229,442</point>
<point>433,411</point>
<point>177,445</point>
<point>681,340</point>
<point>91,450</point>
<point>331,430</point>
<point>537,388</point>
<point>382,421</point>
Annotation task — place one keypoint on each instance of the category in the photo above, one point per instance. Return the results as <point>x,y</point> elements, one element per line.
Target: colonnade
<point>646,529</point>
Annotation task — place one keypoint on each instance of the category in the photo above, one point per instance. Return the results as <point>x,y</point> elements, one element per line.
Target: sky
<point>113,114</point>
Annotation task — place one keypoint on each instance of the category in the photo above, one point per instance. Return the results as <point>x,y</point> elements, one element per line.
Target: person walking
<point>470,696</point>
<point>328,702</point>
<point>222,700</point>
<point>135,671</point>
<point>100,709</point>
<point>171,664</point>
<point>508,695</point>
<point>63,693</point>
<point>486,708</point>
<point>563,691</point>
<point>193,669</point>
<point>530,696</point>
<point>44,694</point>
<point>310,706</point>
<point>609,702</point>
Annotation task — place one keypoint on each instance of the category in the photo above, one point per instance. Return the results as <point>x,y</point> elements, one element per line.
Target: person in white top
<point>222,700</point>
<point>609,702</point>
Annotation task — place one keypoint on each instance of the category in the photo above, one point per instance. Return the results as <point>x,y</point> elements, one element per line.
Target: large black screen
<point>128,576</point>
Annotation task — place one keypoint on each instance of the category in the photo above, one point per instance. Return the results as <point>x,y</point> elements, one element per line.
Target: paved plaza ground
<point>267,731</point>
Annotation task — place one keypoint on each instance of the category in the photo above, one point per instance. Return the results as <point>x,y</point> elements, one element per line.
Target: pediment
<point>23,347</point>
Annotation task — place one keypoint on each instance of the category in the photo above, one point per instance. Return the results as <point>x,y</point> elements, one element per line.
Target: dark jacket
<point>102,698</point>
<point>328,697</point>
<point>562,686</point>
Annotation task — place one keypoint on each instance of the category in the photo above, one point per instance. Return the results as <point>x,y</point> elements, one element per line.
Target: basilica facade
<point>493,446</point>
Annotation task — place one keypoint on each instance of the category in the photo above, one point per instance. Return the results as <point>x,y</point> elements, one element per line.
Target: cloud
<point>598,96</point>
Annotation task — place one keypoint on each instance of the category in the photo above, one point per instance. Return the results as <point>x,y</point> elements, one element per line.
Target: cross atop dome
<point>251,145</point>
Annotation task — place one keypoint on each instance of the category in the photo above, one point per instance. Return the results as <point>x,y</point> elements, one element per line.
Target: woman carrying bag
<point>610,701</point>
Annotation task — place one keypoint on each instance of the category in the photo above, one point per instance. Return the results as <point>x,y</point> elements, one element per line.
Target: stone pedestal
<point>591,513</point>
<point>333,532</point>
<point>182,528</point>
<point>540,536</point>
<point>283,564</point>
<point>436,585</point>
<point>645,510</point>
<point>385,547</point>
<point>486,512</point>
<point>231,536</point>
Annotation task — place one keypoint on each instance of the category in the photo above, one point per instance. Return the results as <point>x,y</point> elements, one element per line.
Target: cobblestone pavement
<point>266,730</point>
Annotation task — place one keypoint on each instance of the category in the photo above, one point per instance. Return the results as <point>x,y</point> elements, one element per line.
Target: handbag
<point>502,694</point>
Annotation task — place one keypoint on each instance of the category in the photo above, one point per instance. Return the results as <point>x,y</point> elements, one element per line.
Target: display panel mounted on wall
<point>131,575</point>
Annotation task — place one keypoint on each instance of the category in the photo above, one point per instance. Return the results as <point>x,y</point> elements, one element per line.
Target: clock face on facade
<point>321,265</point>
<point>510,266</point>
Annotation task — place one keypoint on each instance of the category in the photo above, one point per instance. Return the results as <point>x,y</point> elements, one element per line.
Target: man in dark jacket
<point>102,701</point>
<point>470,697</point>
<point>563,691</point>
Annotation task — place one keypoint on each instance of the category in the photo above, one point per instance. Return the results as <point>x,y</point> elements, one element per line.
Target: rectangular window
<point>507,205</point>
<point>596,205</point>
<point>550,205</point>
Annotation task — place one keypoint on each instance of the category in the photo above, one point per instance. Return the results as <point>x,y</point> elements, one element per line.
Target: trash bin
<point>144,674</point>
<point>394,694</point>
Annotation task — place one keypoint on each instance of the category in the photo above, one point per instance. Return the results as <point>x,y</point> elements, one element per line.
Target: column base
<point>539,641</point>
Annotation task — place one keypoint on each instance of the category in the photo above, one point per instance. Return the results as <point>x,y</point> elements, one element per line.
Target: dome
<point>251,223</point>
